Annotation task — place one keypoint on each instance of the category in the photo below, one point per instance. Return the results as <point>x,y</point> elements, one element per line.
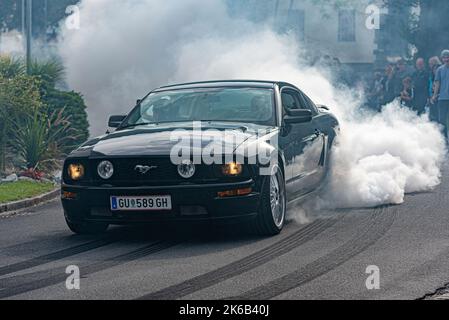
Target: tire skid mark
<point>243,265</point>
<point>376,227</point>
<point>55,256</point>
<point>58,275</point>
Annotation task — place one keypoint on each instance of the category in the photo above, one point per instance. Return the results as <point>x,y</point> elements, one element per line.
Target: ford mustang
<point>237,151</point>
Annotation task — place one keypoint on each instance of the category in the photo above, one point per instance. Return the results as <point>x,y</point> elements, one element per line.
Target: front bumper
<point>199,202</point>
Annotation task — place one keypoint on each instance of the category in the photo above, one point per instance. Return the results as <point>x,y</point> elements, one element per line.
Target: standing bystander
<point>441,92</point>
<point>434,64</point>
<point>421,86</point>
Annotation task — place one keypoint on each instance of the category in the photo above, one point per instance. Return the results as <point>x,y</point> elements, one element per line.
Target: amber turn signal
<point>68,195</point>
<point>235,193</point>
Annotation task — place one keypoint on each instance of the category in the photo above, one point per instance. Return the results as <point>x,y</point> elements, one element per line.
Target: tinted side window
<point>289,100</point>
<point>308,104</point>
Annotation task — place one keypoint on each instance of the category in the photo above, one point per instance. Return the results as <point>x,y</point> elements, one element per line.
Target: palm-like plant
<point>11,67</point>
<point>50,71</point>
<point>37,138</point>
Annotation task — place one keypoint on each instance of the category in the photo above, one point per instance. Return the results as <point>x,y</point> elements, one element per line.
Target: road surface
<point>326,258</point>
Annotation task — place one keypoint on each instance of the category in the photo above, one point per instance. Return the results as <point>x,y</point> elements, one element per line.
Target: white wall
<point>321,32</point>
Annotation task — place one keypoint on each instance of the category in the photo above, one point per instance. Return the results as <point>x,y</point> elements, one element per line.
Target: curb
<point>27,203</point>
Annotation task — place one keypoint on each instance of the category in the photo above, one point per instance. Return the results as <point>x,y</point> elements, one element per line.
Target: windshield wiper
<point>243,128</point>
<point>138,125</point>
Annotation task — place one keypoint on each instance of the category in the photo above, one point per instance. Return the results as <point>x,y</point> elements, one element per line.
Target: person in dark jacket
<point>408,93</point>
<point>389,84</point>
<point>434,64</point>
<point>420,86</point>
<point>400,74</point>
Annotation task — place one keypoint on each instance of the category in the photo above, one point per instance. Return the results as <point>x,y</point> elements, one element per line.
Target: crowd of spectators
<point>422,88</point>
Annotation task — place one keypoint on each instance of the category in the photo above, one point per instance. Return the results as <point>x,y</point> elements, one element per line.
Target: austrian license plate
<point>149,203</point>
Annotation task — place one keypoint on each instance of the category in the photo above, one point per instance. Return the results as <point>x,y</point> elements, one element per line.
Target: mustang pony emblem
<point>144,169</point>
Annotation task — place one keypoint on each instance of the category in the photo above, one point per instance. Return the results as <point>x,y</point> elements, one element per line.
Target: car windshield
<point>248,105</point>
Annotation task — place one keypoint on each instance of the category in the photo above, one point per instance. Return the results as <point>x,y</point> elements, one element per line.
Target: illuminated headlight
<point>105,170</point>
<point>76,171</point>
<point>232,169</point>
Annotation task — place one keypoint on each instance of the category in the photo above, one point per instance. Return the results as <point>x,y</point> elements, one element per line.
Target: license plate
<point>150,203</point>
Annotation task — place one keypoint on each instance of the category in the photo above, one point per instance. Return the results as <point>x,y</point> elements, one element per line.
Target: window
<point>249,105</point>
<point>289,100</point>
<point>308,104</point>
<point>346,25</point>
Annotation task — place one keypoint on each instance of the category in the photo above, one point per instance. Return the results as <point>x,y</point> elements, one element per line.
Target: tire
<point>87,227</point>
<point>269,222</point>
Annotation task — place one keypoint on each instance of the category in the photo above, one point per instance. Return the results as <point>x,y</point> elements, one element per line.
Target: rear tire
<point>270,219</point>
<point>87,227</point>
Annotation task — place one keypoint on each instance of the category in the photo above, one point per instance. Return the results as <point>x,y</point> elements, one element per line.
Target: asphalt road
<point>324,259</point>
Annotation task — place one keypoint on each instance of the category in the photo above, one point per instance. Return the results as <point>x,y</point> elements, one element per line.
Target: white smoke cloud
<point>124,49</point>
<point>380,158</point>
<point>11,43</point>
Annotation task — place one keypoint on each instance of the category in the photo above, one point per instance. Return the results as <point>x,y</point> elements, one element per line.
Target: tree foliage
<point>38,121</point>
<point>19,95</point>
<point>39,138</point>
<point>73,108</point>
<point>46,14</point>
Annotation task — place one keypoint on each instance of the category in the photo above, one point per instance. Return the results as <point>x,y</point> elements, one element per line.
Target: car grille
<point>166,172</point>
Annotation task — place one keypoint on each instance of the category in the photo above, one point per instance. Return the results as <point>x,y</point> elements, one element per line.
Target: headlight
<point>232,169</point>
<point>105,170</point>
<point>76,171</point>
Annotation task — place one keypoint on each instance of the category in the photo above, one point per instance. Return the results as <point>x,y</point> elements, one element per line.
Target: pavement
<point>326,258</point>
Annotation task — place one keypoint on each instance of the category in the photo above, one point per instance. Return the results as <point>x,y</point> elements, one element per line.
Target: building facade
<point>354,34</point>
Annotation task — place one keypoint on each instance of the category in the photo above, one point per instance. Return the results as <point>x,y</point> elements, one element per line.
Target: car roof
<point>223,83</point>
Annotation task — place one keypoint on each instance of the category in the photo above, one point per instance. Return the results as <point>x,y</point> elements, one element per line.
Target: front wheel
<point>87,227</point>
<point>272,211</point>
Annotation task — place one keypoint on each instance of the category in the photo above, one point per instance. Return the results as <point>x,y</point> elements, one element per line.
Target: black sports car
<point>218,150</point>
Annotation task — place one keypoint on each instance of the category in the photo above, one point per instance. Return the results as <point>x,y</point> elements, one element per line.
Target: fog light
<point>68,195</point>
<point>235,193</point>
<point>76,171</point>
<point>232,169</point>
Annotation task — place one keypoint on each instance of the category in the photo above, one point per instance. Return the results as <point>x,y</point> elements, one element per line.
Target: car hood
<point>160,140</point>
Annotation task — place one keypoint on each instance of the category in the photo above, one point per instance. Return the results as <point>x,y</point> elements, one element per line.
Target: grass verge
<point>21,190</point>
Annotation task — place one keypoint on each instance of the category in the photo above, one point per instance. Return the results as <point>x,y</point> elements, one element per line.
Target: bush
<point>19,96</point>
<point>38,139</point>
<point>38,123</point>
<point>74,110</point>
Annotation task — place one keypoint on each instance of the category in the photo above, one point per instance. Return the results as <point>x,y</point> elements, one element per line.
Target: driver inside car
<point>261,108</point>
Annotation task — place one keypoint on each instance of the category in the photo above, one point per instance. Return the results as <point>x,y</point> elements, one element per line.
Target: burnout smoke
<point>124,49</point>
<point>11,43</point>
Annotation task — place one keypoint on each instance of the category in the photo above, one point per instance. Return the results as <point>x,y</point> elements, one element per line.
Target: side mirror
<point>116,121</point>
<point>323,107</point>
<point>298,116</point>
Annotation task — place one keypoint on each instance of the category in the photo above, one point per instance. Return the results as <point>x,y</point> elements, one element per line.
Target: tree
<point>430,37</point>
<point>426,30</point>
<point>46,14</point>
